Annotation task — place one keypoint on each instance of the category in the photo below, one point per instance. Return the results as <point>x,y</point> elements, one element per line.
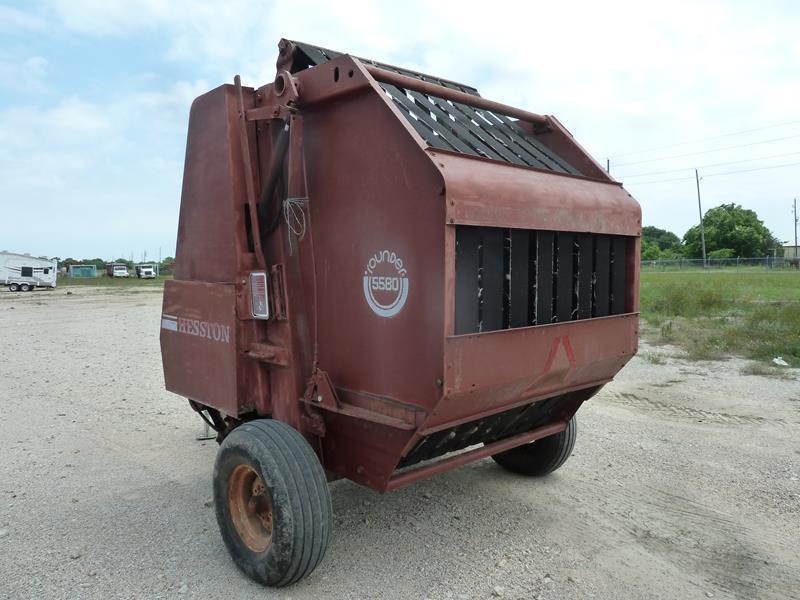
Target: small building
<point>791,251</point>
<point>82,271</point>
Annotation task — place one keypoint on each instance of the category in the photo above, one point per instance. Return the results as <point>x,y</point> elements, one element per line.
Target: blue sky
<point>94,97</point>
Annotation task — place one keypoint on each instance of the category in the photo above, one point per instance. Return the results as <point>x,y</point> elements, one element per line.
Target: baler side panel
<point>198,342</point>
<point>212,241</point>
<point>376,209</point>
<point>374,194</point>
<point>213,247</point>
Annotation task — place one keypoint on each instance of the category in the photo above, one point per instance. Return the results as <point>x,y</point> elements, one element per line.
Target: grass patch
<point>654,358</point>
<point>764,370</point>
<point>714,314</point>
<point>111,282</point>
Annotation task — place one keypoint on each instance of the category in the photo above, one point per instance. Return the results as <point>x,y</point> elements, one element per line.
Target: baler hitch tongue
<point>381,275</point>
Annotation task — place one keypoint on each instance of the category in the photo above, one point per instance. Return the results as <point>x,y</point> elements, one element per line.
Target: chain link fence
<point>766,263</point>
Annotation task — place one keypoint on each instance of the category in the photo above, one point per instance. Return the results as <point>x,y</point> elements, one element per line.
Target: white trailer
<point>23,272</point>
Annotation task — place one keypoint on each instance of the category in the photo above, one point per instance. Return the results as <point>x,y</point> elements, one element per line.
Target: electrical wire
<point>732,162</point>
<point>649,160</point>
<point>718,174</point>
<point>709,139</point>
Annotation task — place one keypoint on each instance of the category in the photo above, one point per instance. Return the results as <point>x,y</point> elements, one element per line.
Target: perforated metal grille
<point>508,278</point>
<point>454,126</point>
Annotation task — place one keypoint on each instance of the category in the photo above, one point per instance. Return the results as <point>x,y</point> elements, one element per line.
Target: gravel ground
<point>684,484</point>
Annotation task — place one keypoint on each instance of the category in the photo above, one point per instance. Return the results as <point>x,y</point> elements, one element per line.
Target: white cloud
<point>23,74</point>
<point>15,20</point>
<point>622,76</point>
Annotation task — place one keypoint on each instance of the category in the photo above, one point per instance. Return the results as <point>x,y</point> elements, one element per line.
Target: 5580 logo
<point>386,283</point>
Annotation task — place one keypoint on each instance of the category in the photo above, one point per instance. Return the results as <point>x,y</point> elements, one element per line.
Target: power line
<point>751,170</point>
<point>665,180</point>
<point>724,173</point>
<point>649,160</point>
<point>717,137</point>
<point>732,162</point>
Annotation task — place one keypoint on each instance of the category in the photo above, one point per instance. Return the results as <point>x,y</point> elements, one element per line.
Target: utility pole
<point>608,166</point>
<point>700,209</point>
<point>796,254</point>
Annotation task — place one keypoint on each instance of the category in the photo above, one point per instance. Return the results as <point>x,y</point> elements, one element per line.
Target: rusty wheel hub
<point>250,508</point>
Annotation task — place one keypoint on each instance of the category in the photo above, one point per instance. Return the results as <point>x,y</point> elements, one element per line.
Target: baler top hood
<point>449,125</point>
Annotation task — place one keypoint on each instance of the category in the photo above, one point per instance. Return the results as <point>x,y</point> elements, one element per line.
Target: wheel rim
<point>250,508</point>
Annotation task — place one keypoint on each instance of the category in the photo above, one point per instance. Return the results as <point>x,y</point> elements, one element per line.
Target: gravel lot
<point>683,484</point>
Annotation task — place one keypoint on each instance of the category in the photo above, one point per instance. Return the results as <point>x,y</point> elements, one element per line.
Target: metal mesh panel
<point>454,126</point>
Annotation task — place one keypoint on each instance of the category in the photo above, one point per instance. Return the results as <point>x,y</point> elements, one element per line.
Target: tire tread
<point>300,474</point>
<point>541,457</point>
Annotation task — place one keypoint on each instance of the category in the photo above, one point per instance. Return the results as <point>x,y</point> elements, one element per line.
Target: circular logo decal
<point>385,283</point>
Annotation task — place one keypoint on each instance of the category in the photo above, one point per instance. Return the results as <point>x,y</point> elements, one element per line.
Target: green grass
<point>111,282</point>
<point>714,314</point>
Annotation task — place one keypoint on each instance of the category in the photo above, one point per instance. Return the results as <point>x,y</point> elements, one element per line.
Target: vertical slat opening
<point>618,267</point>
<point>544,278</point>
<point>467,280</point>
<point>602,275</point>
<point>492,276</point>
<point>508,278</point>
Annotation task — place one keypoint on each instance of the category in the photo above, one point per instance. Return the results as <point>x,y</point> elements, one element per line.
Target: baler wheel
<point>272,502</point>
<point>542,456</point>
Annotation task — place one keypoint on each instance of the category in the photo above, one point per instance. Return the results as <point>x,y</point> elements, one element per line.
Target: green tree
<point>665,240</point>
<point>731,227</point>
<point>650,250</point>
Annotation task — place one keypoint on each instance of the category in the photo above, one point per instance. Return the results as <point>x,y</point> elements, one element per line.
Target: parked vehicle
<point>382,275</point>
<point>117,270</point>
<point>24,273</point>
<point>147,271</point>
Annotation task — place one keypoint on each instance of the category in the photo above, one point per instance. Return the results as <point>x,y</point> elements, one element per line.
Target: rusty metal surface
<point>250,507</point>
<point>438,91</point>
<point>296,56</point>
<point>484,192</point>
<point>363,288</point>
<point>198,342</point>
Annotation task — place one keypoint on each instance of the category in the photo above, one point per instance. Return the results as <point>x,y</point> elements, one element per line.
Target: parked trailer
<point>24,273</point>
<point>381,276</point>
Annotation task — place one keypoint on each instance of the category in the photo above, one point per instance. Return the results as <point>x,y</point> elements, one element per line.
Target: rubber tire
<point>541,457</point>
<point>13,287</point>
<point>301,501</point>
<point>24,287</point>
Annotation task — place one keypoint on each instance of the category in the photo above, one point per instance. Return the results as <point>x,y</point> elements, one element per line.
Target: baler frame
<point>525,245</point>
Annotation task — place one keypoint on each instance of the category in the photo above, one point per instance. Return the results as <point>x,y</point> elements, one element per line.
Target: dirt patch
<point>683,484</point>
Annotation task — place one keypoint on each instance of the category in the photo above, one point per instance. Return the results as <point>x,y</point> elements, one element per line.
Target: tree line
<point>164,265</point>
<point>730,231</point>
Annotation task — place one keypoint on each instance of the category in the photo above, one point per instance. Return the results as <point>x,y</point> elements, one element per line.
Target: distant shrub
<point>722,253</point>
